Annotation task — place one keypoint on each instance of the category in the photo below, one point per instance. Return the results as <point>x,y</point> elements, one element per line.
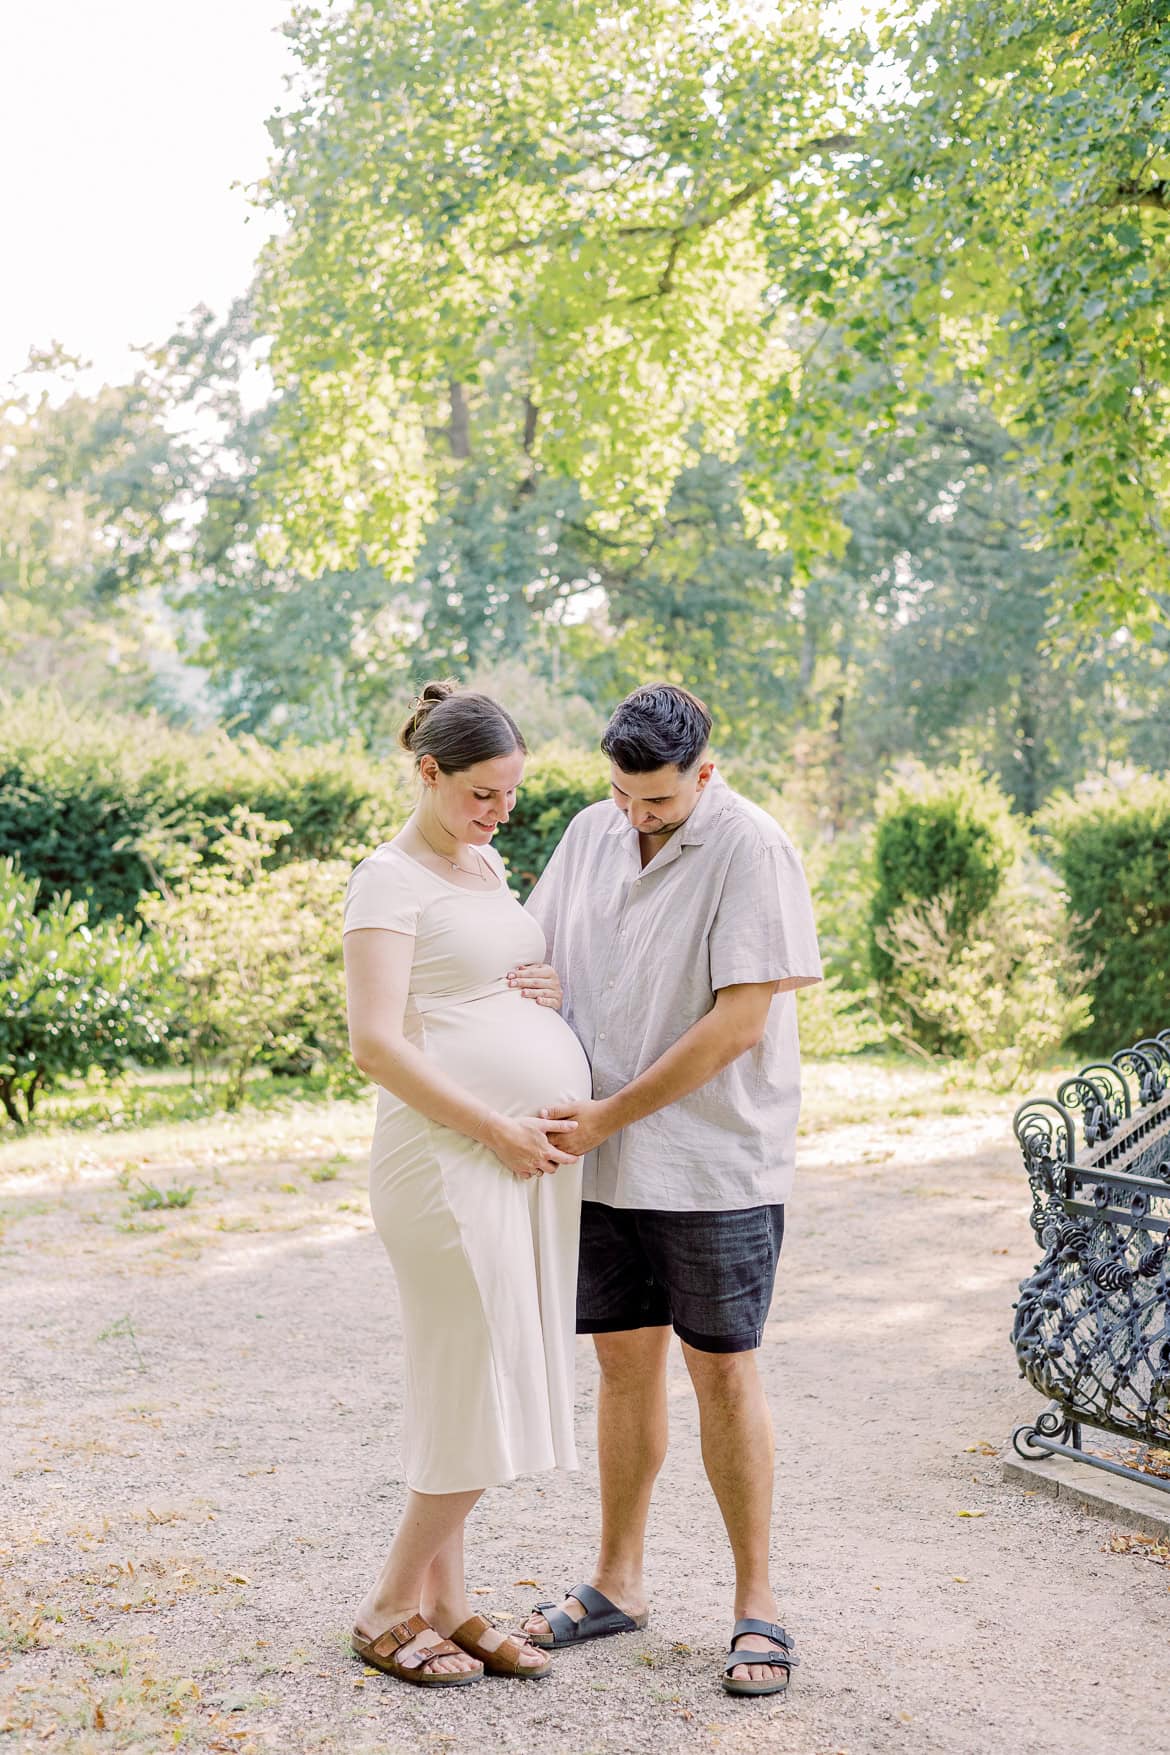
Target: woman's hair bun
<point>422,707</point>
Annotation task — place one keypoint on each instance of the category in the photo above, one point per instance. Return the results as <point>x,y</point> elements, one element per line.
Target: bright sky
<point>123,126</point>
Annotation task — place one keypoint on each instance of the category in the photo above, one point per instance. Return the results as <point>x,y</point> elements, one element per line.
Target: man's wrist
<point>608,1115</point>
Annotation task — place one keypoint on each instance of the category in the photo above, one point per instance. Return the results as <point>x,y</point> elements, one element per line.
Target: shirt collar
<point>697,826</point>
<point>706,813</point>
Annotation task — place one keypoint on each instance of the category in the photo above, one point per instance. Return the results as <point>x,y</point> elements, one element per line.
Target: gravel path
<point>201,1430</point>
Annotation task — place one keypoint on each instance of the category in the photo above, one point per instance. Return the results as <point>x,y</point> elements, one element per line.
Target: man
<point>680,925</point>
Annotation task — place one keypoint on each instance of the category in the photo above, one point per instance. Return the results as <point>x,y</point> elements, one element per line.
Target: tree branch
<point>696,220</point>
<point>1133,195</point>
<point>665,279</point>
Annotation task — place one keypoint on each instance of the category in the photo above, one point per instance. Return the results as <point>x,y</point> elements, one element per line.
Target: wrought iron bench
<point>1092,1326</point>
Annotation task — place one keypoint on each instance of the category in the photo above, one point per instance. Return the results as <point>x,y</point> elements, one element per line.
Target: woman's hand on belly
<point>524,1144</point>
<point>538,981</point>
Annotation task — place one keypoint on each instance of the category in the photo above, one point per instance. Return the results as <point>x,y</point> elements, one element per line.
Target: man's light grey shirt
<point>642,954</point>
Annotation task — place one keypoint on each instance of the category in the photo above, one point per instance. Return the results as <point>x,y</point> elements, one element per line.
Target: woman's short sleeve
<point>382,893</point>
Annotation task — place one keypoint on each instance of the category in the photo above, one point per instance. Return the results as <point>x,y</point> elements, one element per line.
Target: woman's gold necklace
<point>484,875</point>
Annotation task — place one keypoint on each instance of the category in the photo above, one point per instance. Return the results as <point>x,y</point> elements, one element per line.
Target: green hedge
<point>95,804</point>
<point>557,784</point>
<point>1113,853</point>
<point>89,803</point>
<point>76,995</point>
<point>940,831</point>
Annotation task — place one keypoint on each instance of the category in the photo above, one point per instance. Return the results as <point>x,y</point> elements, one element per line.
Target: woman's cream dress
<point>486,1263</point>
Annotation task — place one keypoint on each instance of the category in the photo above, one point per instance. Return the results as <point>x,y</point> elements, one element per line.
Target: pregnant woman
<point>475,1197</point>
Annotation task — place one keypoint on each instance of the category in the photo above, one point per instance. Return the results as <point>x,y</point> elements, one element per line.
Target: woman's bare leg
<point>429,1523</point>
<point>444,1598</point>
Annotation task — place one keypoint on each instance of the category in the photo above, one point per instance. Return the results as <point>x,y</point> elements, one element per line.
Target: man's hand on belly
<point>538,981</point>
<point>595,1120</point>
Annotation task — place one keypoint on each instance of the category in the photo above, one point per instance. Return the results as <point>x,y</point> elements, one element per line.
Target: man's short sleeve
<point>763,928</point>
<point>547,897</point>
<point>381,893</point>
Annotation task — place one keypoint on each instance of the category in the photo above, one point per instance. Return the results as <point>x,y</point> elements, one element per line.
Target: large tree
<point>1019,215</point>
<point>89,486</point>
<point>592,241</point>
<point>535,234</point>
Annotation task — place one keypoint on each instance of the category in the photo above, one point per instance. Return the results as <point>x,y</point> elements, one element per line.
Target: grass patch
<point>168,1095</point>
<point>150,1197</point>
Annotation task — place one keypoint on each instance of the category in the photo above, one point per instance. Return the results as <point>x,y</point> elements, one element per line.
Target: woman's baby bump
<point>517,1055</point>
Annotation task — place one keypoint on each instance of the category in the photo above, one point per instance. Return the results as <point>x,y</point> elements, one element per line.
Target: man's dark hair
<point>658,726</point>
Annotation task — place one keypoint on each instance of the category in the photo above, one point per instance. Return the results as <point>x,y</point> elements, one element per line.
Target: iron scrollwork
<point>1092,1324</point>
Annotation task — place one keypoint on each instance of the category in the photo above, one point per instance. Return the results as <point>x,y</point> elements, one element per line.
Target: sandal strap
<point>418,1660</point>
<point>388,1642</point>
<point>766,1629</point>
<point>777,1660</point>
<point>473,1629</point>
<point>593,1602</point>
<point>781,1657</point>
<point>506,1657</point>
<point>600,1617</point>
<point>394,1638</point>
<point>471,1632</point>
<point>424,1657</point>
<point>561,1626</point>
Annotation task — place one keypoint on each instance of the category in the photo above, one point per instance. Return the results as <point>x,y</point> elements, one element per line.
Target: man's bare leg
<point>631,1447</point>
<point>738,1453</point>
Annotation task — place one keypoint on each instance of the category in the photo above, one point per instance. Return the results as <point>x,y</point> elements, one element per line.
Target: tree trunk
<point>837,766</point>
<point>531,416</point>
<point>459,426</point>
<point>8,1098</point>
<point>1028,792</point>
<point>237,1083</point>
<point>32,1090</point>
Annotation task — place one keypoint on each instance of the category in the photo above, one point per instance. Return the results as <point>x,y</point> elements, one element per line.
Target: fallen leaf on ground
<point>970,1514</point>
<point>957,1578</point>
<point>534,1582</point>
<point>1146,1547</point>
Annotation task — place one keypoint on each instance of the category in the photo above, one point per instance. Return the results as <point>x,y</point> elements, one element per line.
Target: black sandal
<point>782,1657</point>
<point>601,1618</point>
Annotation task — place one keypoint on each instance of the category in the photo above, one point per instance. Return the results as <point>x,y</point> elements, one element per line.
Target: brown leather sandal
<point>502,1659</point>
<point>381,1654</point>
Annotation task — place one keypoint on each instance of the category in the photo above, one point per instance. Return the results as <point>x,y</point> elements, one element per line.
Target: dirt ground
<point>200,1447</point>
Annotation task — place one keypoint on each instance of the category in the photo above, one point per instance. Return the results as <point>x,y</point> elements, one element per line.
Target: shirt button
<point>601,1037</point>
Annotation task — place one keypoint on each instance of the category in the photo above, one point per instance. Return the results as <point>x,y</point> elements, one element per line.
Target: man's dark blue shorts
<point>707,1275</point>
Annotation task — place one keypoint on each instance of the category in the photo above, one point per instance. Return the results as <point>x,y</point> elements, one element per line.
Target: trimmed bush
<point>74,996</point>
<point>105,807</point>
<point>1112,849</point>
<point>1004,992</point>
<point>948,833</point>
<point>557,784</point>
<point>259,953</point>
